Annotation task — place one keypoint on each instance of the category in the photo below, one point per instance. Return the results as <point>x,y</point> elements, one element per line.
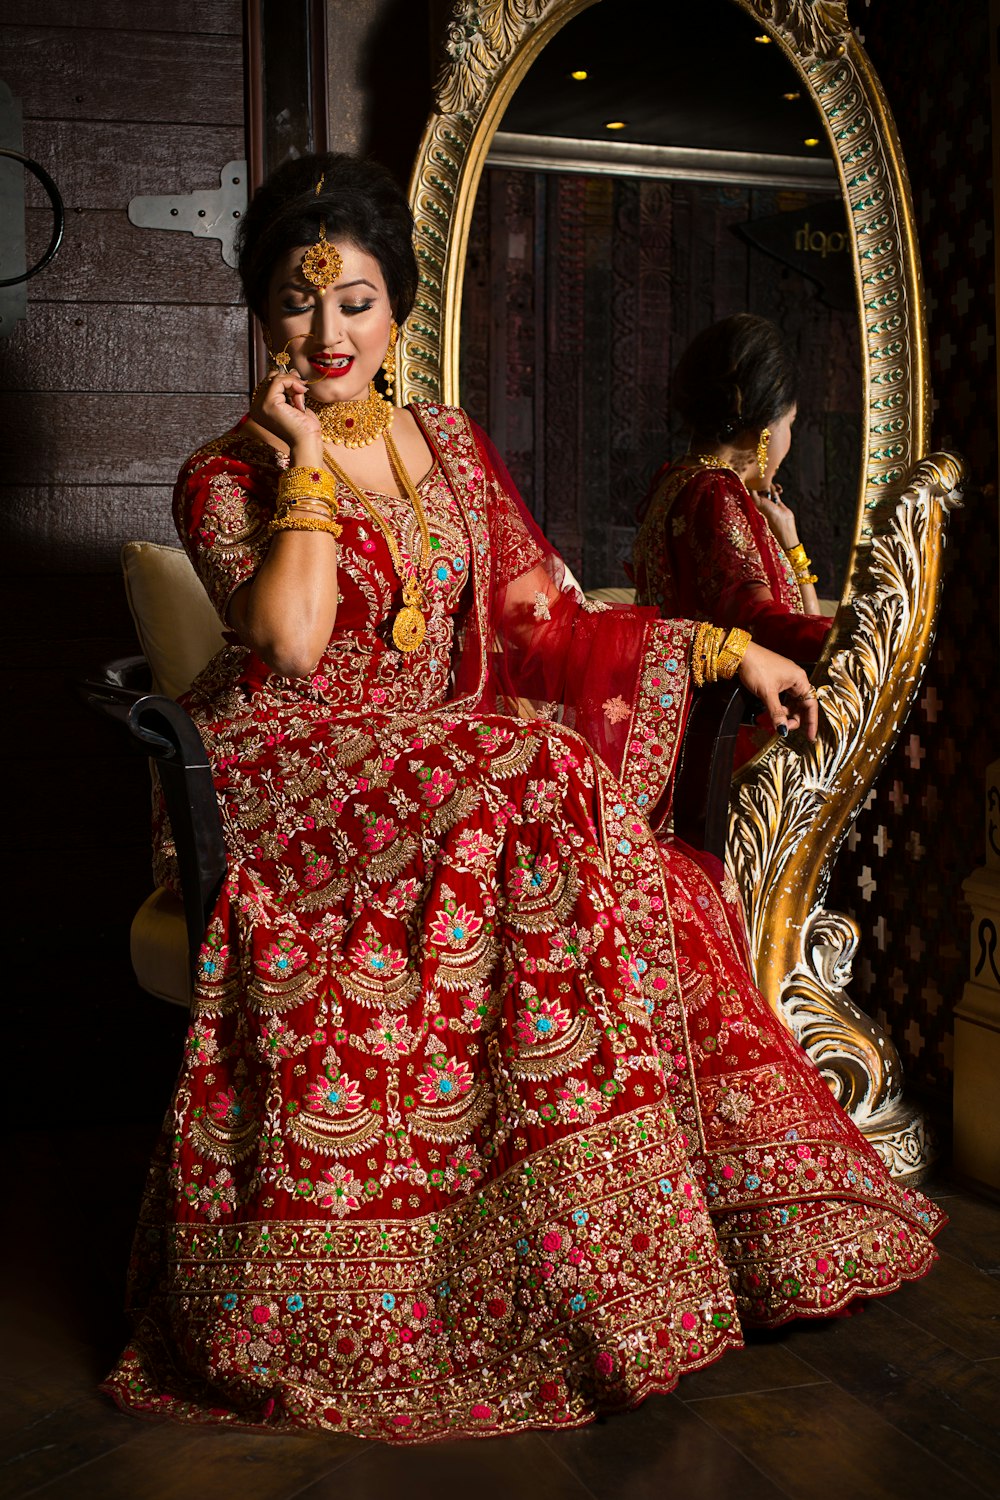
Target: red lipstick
<point>323,365</point>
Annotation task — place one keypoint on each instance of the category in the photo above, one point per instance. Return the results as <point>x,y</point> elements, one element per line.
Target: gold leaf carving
<point>480,38</point>
<point>816,28</point>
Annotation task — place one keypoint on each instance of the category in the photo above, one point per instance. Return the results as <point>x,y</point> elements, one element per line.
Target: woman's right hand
<point>779,518</point>
<point>783,688</point>
<point>280,408</point>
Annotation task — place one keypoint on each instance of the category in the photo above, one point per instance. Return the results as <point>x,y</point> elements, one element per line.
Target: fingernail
<point>783,731</point>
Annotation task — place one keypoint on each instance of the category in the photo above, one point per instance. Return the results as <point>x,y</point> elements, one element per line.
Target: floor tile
<point>957,1304</point>
<point>661,1449</point>
<point>818,1443</point>
<point>508,1468</point>
<point>168,1461</point>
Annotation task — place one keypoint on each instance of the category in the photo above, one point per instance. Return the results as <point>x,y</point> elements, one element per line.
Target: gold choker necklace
<point>354,424</point>
<point>710,461</point>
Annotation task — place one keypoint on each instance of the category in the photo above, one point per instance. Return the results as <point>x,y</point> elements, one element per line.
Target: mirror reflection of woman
<point>717,540</point>
<point>481,1125</point>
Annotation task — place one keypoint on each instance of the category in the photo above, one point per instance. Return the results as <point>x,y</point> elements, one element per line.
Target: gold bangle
<point>807,578</point>
<point>732,653</point>
<point>303,523</point>
<point>797,556</point>
<point>303,483</point>
<point>716,638</point>
<point>304,474</point>
<point>698,653</point>
<point>309,506</point>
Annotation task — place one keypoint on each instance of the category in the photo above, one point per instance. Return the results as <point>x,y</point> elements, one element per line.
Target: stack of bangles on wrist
<point>716,656</point>
<point>307,501</point>
<point>800,564</point>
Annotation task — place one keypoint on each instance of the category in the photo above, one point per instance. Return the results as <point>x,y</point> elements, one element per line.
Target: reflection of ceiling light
<point>579,75</point>
<point>764,40</point>
<point>615,124</point>
<point>794,95</point>
<point>810,140</point>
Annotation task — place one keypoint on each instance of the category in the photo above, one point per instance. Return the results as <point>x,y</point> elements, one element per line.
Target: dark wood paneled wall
<point>134,349</point>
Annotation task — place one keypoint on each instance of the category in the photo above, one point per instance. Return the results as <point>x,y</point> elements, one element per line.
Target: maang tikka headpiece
<point>322,264</point>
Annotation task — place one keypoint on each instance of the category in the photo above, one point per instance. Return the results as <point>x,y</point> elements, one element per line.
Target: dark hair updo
<point>734,375</point>
<point>358,201</point>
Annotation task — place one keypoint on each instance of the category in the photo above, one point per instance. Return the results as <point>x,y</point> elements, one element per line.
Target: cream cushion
<point>159,948</point>
<point>612,595</point>
<point>176,623</point>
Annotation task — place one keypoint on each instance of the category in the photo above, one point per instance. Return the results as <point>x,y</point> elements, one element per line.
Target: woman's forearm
<point>810,598</point>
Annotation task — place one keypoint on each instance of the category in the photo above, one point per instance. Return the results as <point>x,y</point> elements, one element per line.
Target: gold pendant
<point>408,629</point>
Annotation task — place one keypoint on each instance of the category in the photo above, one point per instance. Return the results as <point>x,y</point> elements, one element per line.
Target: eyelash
<point>350,308</point>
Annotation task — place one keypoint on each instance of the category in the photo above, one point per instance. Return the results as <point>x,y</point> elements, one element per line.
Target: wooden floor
<point>902,1400</point>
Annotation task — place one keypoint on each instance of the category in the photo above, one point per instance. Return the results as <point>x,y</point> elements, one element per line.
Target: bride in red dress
<point>482,1124</point>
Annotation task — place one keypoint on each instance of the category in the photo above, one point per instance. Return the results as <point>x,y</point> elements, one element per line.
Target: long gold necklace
<point>354,424</point>
<point>410,624</point>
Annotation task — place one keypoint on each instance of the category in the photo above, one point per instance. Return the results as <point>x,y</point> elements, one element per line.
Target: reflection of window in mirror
<point>595,256</point>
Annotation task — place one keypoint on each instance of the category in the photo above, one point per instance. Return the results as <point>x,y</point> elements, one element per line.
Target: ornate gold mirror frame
<point>794,805</point>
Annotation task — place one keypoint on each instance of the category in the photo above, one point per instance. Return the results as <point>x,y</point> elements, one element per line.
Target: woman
<point>717,542</point>
<point>480,1113</point>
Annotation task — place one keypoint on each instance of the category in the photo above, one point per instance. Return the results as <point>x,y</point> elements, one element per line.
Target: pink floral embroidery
<point>334,1096</point>
<point>437,784</point>
<point>579,1100</point>
<point>378,832</point>
<point>283,958</point>
<point>541,1023</point>
<point>339,1191</point>
<point>445,1084</point>
<point>453,929</point>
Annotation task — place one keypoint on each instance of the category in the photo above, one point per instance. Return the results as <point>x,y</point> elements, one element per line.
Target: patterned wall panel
<point>919,834</point>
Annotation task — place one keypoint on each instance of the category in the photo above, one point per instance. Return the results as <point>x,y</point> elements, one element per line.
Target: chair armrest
<point>169,736</point>
<point>705,765</point>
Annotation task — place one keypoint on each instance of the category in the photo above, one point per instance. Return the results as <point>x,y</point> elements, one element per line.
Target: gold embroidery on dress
<point>543,1060</point>
<point>339,1137</point>
<point>226,1143</point>
<point>452,1122</point>
<point>516,760</point>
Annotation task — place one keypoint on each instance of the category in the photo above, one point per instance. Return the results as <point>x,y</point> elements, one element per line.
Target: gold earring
<point>765,438</point>
<point>389,363</point>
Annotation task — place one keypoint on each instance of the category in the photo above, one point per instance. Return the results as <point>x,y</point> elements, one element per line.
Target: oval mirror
<point>794,804</point>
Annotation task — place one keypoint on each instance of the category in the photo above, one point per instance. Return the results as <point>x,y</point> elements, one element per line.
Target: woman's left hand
<point>781,520</point>
<point>783,688</point>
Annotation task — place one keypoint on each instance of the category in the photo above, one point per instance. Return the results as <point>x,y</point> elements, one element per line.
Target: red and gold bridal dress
<point>481,1124</point>
<point>702,544</point>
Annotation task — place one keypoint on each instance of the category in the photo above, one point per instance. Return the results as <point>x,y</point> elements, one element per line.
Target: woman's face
<point>338,341</point>
<point>777,448</point>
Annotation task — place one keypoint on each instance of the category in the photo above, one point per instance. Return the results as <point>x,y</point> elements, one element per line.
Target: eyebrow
<point>341,286</point>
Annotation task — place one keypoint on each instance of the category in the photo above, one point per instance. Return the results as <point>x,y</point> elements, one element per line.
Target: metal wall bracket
<point>211,214</point>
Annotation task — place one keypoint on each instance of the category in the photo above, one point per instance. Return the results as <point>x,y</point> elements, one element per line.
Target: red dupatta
<point>531,644</point>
